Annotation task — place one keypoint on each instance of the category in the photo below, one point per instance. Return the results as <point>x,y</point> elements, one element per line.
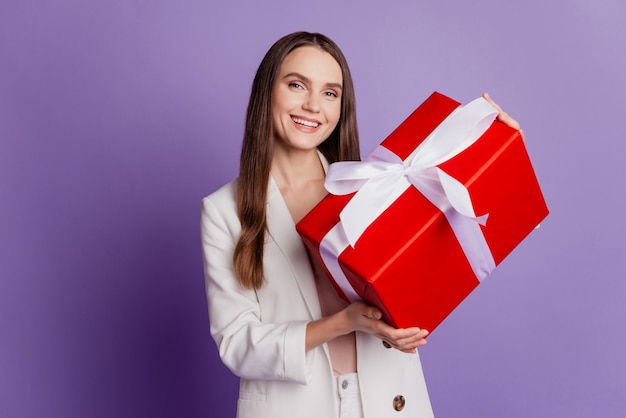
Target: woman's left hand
<point>502,115</point>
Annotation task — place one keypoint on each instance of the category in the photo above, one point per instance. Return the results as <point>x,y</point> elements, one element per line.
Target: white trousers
<point>349,396</point>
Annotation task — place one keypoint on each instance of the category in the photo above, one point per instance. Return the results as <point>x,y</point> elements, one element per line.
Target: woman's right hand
<point>359,316</point>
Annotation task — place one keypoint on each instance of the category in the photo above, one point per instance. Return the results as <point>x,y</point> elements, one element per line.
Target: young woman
<point>299,349</point>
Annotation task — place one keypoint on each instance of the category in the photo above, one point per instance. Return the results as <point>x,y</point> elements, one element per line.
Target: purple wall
<point>116,118</point>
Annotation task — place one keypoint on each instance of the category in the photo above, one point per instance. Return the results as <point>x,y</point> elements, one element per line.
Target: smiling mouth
<point>307,123</point>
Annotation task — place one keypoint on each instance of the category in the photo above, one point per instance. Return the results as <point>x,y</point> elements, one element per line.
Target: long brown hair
<point>256,153</point>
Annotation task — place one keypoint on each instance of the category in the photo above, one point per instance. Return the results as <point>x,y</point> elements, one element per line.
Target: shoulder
<point>220,207</point>
<point>224,197</point>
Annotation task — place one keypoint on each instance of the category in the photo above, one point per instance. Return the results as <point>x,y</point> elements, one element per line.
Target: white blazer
<point>260,334</point>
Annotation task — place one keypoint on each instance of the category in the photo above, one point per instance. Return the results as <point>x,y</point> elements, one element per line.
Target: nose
<point>312,103</point>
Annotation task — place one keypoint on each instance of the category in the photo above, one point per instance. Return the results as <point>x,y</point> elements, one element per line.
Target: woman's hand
<point>359,316</point>
<point>366,318</point>
<point>502,115</point>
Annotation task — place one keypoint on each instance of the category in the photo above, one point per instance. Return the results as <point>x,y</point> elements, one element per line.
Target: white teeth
<point>305,122</point>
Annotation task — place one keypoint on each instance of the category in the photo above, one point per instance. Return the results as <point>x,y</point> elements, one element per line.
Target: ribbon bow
<point>382,177</point>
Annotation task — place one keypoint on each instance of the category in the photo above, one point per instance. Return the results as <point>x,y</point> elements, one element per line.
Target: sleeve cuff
<point>297,361</point>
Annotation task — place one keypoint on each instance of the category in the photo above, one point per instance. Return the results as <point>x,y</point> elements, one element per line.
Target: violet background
<point>117,117</point>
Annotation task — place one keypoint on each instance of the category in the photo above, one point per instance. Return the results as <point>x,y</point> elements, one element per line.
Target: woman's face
<point>306,100</point>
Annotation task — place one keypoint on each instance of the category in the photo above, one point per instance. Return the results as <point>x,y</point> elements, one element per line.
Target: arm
<point>248,346</point>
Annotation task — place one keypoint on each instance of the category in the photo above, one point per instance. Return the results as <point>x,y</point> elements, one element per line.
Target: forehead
<point>313,63</point>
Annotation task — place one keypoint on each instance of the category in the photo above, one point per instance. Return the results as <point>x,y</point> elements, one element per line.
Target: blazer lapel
<point>282,231</point>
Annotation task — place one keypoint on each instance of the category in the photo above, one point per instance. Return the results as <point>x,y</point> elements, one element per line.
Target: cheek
<point>279,107</point>
<point>335,113</point>
<point>278,101</point>
<point>283,100</point>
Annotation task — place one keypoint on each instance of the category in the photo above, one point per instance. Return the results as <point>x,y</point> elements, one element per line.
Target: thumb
<point>374,313</point>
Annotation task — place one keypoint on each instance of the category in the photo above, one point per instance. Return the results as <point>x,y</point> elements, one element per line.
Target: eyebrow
<point>308,80</point>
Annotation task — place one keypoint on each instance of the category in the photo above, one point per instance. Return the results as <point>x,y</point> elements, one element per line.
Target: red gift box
<point>408,262</point>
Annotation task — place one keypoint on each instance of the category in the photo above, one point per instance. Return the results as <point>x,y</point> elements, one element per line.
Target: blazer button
<point>398,403</point>
<point>386,344</point>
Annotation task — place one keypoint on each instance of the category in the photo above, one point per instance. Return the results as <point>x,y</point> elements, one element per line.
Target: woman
<point>298,348</point>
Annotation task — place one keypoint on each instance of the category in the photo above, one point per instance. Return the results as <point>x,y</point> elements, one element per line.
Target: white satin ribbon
<point>382,177</point>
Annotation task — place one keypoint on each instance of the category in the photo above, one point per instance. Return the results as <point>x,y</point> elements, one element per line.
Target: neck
<point>296,168</point>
